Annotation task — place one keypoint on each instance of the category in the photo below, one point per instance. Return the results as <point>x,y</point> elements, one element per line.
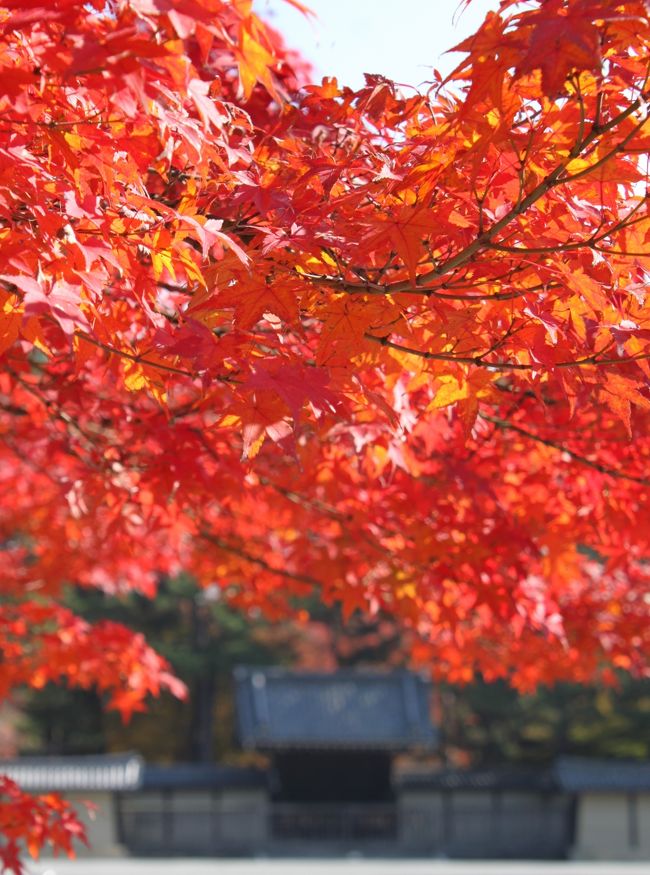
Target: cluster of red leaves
<point>392,349</point>
<point>42,642</point>
<point>34,821</point>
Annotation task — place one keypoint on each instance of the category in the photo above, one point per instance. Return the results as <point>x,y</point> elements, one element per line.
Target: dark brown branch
<point>370,288</point>
<point>56,413</point>
<point>256,560</point>
<point>133,357</point>
<point>619,147</point>
<point>479,360</point>
<point>543,250</point>
<point>483,241</point>
<point>590,243</point>
<point>577,457</point>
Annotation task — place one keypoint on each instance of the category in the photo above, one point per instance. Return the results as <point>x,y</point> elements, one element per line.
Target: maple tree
<point>388,348</point>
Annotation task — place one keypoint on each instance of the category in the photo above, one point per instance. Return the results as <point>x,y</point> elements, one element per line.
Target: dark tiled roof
<point>200,776</point>
<point>580,774</point>
<point>102,772</point>
<point>283,710</point>
<point>520,779</point>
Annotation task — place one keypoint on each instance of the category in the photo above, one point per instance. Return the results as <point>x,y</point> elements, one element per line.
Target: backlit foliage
<point>391,349</point>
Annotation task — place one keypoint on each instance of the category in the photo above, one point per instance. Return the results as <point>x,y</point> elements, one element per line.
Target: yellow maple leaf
<point>450,391</point>
<point>254,63</point>
<point>134,377</point>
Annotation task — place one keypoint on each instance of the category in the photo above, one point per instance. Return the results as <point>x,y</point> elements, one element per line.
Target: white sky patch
<point>402,40</point>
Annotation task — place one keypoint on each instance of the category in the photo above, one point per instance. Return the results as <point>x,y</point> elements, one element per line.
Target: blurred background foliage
<point>204,639</point>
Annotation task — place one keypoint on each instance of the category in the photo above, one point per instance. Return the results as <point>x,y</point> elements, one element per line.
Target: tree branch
<point>256,560</point>
<point>479,361</point>
<point>583,460</point>
<point>484,240</point>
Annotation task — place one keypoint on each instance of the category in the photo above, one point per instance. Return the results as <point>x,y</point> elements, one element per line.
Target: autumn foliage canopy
<point>387,347</point>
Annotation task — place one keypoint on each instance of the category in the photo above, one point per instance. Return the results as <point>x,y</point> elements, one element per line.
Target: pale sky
<point>401,39</point>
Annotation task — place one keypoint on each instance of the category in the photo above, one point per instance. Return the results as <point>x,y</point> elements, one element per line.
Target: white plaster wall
<point>101,824</point>
<point>603,827</point>
<point>644,825</point>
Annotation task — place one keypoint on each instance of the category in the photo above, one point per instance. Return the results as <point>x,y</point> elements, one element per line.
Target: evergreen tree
<point>491,723</point>
<point>202,638</point>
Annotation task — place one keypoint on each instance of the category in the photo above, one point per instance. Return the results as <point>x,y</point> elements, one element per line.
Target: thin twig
<point>577,457</point>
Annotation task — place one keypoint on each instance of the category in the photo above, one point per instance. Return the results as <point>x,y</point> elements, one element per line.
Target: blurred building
<point>93,784</point>
<point>333,787</point>
<point>612,817</point>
